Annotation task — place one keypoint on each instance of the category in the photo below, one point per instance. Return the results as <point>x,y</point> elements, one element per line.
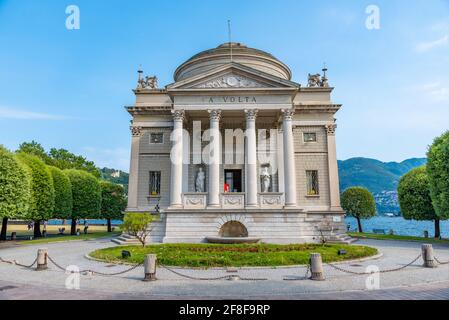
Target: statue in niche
<point>266,179</point>
<point>199,181</point>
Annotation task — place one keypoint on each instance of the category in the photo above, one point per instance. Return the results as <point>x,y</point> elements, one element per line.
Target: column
<point>251,158</point>
<point>334,185</point>
<point>136,133</point>
<point>176,156</point>
<point>289,159</point>
<point>214,158</point>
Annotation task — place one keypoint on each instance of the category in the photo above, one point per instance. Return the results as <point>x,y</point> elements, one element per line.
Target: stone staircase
<point>125,240</point>
<point>340,239</point>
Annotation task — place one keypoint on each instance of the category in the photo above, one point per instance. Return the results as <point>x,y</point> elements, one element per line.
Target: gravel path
<point>17,282</point>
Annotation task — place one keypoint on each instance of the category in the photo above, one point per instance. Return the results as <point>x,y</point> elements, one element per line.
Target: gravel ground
<point>170,285</point>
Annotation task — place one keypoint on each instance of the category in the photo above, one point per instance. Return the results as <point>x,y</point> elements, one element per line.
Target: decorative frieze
<point>230,81</point>
<point>232,201</point>
<point>136,131</point>
<point>194,200</point>
<point>271,200</point>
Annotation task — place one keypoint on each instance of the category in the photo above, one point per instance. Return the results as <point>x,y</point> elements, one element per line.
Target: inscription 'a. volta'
<point>232,100</point>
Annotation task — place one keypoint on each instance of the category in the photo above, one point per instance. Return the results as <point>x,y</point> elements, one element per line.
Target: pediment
<point>232,76</point>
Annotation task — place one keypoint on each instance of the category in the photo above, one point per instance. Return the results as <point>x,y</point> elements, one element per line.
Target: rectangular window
<point>312,183</point>
<point>156,138</point>
<point>155,183</point>
<point>309,137</point>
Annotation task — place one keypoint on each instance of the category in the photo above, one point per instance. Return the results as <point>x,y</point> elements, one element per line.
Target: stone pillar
<point>176,156</point>
<point>214,159</point>
<point>251,158</point>
<point>134,168</point>
<point>334,185</point>
<point>289,159</point>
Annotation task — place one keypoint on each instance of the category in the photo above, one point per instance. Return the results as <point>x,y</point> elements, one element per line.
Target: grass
<point>210,255</point>
<point>395,237</point>
<point>95,232</point>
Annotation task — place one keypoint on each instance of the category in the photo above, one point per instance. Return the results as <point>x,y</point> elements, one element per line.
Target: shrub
<point>63,194</point>
<point>359,203</point>
<point>113,201</point>
<point>138,225</point>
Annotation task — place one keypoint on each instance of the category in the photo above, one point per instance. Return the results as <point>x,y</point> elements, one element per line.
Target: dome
<point>213,58</point>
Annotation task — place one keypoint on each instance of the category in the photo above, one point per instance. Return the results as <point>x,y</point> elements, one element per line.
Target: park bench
<point>379,231</point>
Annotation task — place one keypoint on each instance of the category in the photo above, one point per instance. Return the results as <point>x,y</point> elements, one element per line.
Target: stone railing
<point>194,200</point>
<point>233,200</point>
<point>271,200</point>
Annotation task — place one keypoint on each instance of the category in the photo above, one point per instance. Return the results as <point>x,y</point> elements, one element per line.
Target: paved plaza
<point>413,282</point>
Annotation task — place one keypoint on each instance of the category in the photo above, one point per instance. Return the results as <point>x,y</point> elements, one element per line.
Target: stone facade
<point>214,96</point>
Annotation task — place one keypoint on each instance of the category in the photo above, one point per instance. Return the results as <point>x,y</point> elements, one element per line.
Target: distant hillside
<point>381,178</point>
<point>115,176</point>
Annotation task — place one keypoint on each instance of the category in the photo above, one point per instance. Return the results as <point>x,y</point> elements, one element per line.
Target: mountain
<point>115,176</point>
<point>381,178</point>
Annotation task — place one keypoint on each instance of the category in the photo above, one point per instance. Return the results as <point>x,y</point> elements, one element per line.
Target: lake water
<point>90,222</point>
<point>400,226</point>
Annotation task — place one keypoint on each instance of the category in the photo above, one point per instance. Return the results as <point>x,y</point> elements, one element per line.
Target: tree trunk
<point>109,225</point>
<point>4,228</point>
<point>437,229</point>
<point>359,224</point>
<point>37,229</point>
<point>73,228</point>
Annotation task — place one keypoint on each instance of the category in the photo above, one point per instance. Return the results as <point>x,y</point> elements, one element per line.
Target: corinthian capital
<point>288,113</point>
<point>251,114</point>
<point>330,128</point>
<point>178,115</point>
<point>215,114</point>
<point>136,131</point>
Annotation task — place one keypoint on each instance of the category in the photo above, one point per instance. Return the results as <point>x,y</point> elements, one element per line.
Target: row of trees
<point>37,186</point>
<point>423,192</point>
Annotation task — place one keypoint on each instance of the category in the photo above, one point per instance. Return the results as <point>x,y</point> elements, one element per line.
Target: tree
<point>138,224</point>
<point>63,194</point>
<point>15,189</point>
<point>438,171</point>
<point>414,198</point>
<point>359,203</point>
<point>86,192</point>
<point>42,191</point>
<point>36,149</point>
<point>113,202</point>
<point>64,159</point>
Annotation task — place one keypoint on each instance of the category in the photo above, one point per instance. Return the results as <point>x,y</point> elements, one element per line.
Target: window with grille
<point>309,137</point>
<point>312,183</point>
<point>156,138</point>
<point>155,183</point>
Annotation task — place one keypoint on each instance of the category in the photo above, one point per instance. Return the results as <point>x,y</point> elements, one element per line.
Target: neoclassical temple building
<point>235,150</point>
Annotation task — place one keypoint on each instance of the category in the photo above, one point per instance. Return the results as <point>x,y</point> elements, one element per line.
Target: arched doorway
<point>233,229</point>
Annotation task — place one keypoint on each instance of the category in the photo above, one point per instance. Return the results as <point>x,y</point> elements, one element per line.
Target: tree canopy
<point>15,186</point>
<point>59,158</point>
<point>86,192</point>
<point>42,188</point>
<point>438,171</point>
<point>63,194</point>
<point>414,196</point>
<point>113,200</point>
<point>359,203</point>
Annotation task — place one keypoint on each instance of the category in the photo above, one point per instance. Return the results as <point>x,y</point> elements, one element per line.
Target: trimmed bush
<point>359,203</point>
<point>15,189</point>
<point>86,192</point>
<point>42,190</point>
<point>113,202</point>
<point>63,194</point>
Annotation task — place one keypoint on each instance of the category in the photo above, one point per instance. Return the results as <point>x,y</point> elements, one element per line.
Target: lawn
<point>95,232</point>
<point>209,255</point>
<point>395,237</point>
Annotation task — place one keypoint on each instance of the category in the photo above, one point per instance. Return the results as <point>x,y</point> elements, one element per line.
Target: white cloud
<point>428,46</point>
<point>116,158</point>
<point>436,91</point>
<point>11,113</point>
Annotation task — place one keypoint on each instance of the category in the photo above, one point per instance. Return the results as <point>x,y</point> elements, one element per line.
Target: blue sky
<point>67,89</point>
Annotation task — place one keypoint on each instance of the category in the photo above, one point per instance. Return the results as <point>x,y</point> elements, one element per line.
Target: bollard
<point>316,267</point>
<point>42,256</point>
<point>428,257</point>
<point>150,267</point>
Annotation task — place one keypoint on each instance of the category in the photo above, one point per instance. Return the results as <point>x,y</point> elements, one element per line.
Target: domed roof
<point>213,58</point>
